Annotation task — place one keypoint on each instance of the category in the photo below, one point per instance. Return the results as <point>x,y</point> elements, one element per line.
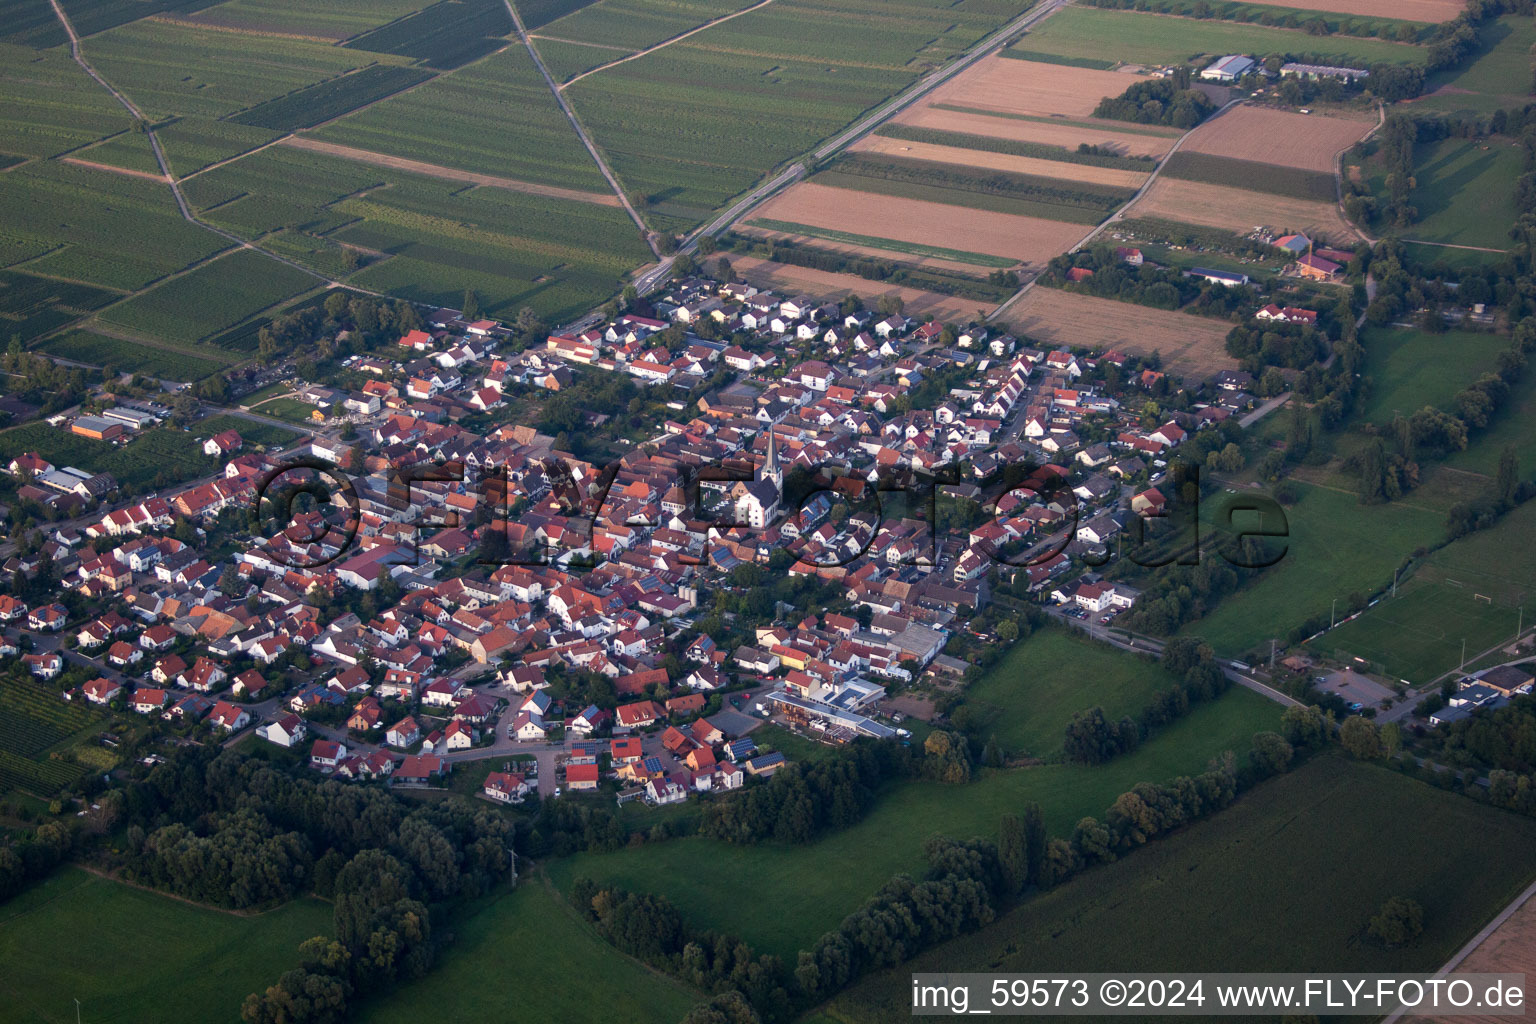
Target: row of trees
<point>1159,287</point>
<point>1092,738</point>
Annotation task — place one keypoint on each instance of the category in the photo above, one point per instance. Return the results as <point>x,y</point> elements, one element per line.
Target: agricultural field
<point>1029,87</point>
<point>730,103</point>
<point>1320,848</point>
<point>792,280</point>
<point>814,884</point>
<point>31,306</point>
<point>1464,190</point>
<point>210,298</point>
<point>127,356</point>
<point>35,724</point>
<point>497,117</point>
<point>1030,195</point>
<point>1432,11</point>
<point>83,216</point>
<point>307,107</point>
<point>33,22</point>
<point>1006,162</point>
<point>1028,698</point>
<point>1139,38</point>
<point>1192,347</point>
<point>132,955</point>
<point>869,245</point>
<point>153,460</point>
<point>181,70</point>
<point>1318,186</point>
<point>129,151</point>
<point>1337,547</point>
<point>1020,238</point>
<point>587,983</point>
<point>1307,142</point>
<point>446,35</point>
<point>1114,137</point>
<point>251,432</point>
<point>1240,210</point>
<point>1411,368</point>
<point>334,20</point>
<point>1497,78</point>
<point>1470,590</point>
<point>193,143</point>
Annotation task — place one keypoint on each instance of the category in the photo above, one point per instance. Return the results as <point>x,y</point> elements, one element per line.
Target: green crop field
<point>34,724</point>
<point>51,105</point>
<point>733,101</point>
<point>1028,698</point>
<point>1016,147</point>
<point>1470,590</point>
<point>34,23</point>
<point>566,60</point>
<point>250,431</point>
<point>585,981</point>
<point>154,459</point>
<point>1337,547</point>
<point>335,19</point>
<point>635,24</point>
<point>1465,191</point>
<point>538,13</point>
<point>132,955</point>
<point>32,305</point>
<point>129,150</point>
<point>210,298</point>
<point>1315,852</point>
<point>816,885</point>
<point>1498,77</point>
<point>497,117</point>
<point>907,248</point>
<point>446,35</point>
<point>307,107</point>
<point>192,143</point>
<point>1138,38</point>
<point>134,357</point>
<point>1251,174</point>
<point>176,69</point>
<point>1410,368</point>
<point>1096,123</point>
<point>85,216</point>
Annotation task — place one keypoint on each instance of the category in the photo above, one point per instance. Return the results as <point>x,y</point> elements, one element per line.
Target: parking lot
<point>1355,688</point>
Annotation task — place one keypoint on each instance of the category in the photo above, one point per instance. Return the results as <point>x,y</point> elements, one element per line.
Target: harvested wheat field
<point>1192,347</point>
<point>789,280</point>
<point>1510,949</point>
<point>1407,10</point>
<point>1000,161</point>
<point>1026,239</point>
<point>1070,135</point>
<point>906,259</point>
<point>1012,86</point>
<point>1310,142</point>
<point>1240,210</point>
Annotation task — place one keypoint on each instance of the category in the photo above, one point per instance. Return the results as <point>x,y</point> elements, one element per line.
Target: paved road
<point>1264,410</point>
<point>853,133</point>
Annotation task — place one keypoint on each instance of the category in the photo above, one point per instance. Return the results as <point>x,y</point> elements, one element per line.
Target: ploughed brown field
<point>1031,87</point>
<point>1510,949</point>
<point>1240,210</point>
<point>1029,240</point>
<point>867,251</point>
<point>1192,347</point>
<point>1000,162</point>
<point>823,284</point>
<point>1408,10</point>
<point>1308,141</point>
<point>1120,142</point>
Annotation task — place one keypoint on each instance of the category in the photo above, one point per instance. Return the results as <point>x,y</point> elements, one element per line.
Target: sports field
<point>816,885</point>
<point>582,979</point>
<point>129,955</point>
<point>1028,698</point>
<point>1318,849</point>
<point>1470,590</point>
<point>1337,547</point>
<point>1410,369</point>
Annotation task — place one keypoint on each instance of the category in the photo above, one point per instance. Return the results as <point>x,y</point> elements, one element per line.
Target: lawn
<point>132,357</point>
<point>1336,547</point>
<point>210,298</point>
<point>1499,77</point>
<point>1464,192</point>
<point>1284,880</point>
<point>1139,38</point>
<point>251,432</point>
<point>715,884</point>
<point>1030,696</point>
<point>581,978</point>
<point>1411,368</point>
<point>1470,590</point>
<point>130,955</point>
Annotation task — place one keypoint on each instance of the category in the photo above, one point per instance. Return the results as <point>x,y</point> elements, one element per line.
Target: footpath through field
<point>666,42</point>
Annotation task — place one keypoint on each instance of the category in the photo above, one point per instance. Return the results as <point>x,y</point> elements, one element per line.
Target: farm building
<point>97,428</point>
<point>1218,276</point>
<point>1228,69</point>
<point>1317,267</point>
<point>1323,71</point>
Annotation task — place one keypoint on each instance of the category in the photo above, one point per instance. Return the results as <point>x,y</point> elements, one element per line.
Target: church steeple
<point>771,471</point>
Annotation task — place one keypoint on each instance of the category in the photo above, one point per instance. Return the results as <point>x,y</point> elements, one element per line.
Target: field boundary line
<point>95,166</point>
<point>579,42</point>
<point>666,42</point>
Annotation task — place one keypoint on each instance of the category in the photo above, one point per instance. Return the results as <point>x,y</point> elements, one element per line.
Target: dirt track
<point>447,173</point>
<point>149,175</point>
<point>1001,162</point>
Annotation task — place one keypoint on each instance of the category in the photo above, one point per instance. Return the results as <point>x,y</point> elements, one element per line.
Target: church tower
<point>771,471</point>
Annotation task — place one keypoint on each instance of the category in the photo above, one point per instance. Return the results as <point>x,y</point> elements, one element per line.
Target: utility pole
<point>1394,579</point>
<point>77,1011</point>
<point>1333,618</point>
<point>1271,652</point>
<point>1463,653</point>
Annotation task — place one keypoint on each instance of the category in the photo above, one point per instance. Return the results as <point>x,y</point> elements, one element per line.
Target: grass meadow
<point>1465,191</point>
<point>716,885</point>
<point>129,955</point>
<point>1315,853</point>
<point>1499,77</point>
<point>1411,368</point>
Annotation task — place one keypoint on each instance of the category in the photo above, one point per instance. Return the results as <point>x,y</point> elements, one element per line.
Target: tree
<point>1008,631</point>
<point>1398,922</point>
<point>1303,726</point>
<point>471,308</point>
<point>1361,738</point>
<point>1013,852</point>
<point>708,246</point>
<point>1508,482</point>
<point>1035,842</point>
<point>1271,754</point>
